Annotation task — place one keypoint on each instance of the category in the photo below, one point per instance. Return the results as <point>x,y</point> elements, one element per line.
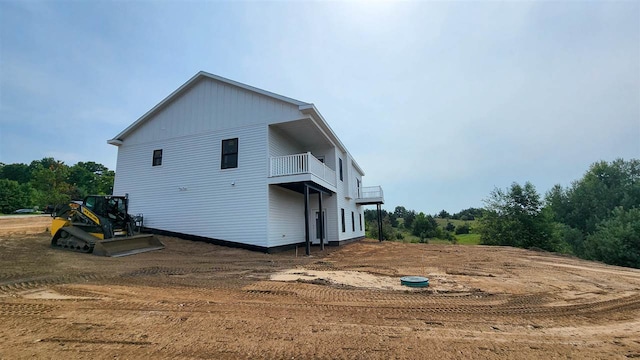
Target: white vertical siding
<point>210,105</point>
<point>190,194</point>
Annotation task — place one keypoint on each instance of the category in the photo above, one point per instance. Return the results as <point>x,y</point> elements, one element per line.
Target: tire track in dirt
<point>340,294</point>
<point>424,302</point>
<point>25,309</point>
<point>94,341</point>
<point>14,286</point>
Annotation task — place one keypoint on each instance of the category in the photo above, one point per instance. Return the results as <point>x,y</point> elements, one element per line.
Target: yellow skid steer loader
<point>101,225</point>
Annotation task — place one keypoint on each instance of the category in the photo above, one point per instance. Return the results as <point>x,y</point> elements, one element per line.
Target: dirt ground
<point>194,300</point>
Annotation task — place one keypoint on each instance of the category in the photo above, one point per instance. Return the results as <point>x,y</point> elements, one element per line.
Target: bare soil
<point>194,300</point>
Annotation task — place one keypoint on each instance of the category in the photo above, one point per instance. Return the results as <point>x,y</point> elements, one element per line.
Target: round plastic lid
<point>414,279</point>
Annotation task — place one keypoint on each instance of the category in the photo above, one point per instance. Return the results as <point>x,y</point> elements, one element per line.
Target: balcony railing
<point>301,164</point>
<point>370,195</point>
<point>371,192</point>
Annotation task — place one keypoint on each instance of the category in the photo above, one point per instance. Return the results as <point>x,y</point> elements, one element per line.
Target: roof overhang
<point>116,142</point>
<point>311,110</point>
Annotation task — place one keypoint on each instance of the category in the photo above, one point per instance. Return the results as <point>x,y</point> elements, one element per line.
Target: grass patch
<point>443,222</point>
<point>463,239</point>
<point>468,239</point>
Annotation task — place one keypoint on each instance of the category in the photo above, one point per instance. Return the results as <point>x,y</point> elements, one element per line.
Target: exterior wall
<point>280,144</point>
<point>190,194</point>
<point>210,105</point>
<point>286,217</point>
<point>346,199</point>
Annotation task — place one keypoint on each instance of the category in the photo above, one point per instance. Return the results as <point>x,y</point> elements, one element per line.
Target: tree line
<point>419,224</point>
<point>597,217</point>
<point>50,182</point>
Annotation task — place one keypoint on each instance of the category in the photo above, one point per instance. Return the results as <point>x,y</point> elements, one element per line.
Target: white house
<point>229,163</point>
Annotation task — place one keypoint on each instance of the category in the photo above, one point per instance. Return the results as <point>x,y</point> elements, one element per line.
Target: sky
<point>439,102</point>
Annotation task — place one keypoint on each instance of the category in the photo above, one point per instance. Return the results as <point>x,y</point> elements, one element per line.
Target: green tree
<point>16,172</point>
<point>105,182</point>
<point>424,226</point>
<point>91,178</point>
<point>51,182</point>
<point>450,226</point>
<point>387,230</point>
<point>468,214</point>
<point>408,218</point>
<point>400,212</point>
<point>617,240</point>
<point>604,187</point>
<point>514,217</point>
<point>443,214</point>
<point>14,196</point>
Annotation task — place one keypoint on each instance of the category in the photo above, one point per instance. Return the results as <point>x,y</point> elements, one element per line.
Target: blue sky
<point>439,102</point>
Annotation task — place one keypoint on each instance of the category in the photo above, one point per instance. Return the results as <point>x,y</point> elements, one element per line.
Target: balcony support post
<point>306,220</point>
<point>379,221</point>
<point>321,221</point>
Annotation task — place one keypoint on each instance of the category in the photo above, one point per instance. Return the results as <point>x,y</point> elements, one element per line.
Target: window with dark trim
<point>353,222</point>
<point>340,161</point>
<point>229,154</point>
<point>344,227</point>
<point>157,157</point>
<point>360,215</point>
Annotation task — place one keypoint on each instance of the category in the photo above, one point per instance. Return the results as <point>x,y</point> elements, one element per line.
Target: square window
<point>229,154</point>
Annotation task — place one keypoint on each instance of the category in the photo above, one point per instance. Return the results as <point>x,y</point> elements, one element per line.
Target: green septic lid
<point>414,281</point>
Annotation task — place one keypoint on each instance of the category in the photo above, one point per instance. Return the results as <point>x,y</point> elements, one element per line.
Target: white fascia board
<point>188,84</point>
<point>115,142</point>
<point>310,109</point>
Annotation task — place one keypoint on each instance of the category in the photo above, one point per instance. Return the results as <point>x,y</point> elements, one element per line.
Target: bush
<point>450,226</point>
<point>462,229</point>
<point>388,233</point>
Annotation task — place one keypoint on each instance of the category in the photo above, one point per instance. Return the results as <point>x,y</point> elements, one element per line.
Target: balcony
<point>370,195</point>
<point>300,168</point>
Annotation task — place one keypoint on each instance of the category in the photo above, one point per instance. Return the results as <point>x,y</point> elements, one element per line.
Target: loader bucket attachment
<point>127,245</point>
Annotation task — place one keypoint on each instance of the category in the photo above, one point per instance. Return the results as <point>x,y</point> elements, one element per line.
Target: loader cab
<point>113,208</point>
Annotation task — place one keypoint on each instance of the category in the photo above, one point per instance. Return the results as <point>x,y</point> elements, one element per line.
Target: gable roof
<point>117,140</point>
<point>304,107</point>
